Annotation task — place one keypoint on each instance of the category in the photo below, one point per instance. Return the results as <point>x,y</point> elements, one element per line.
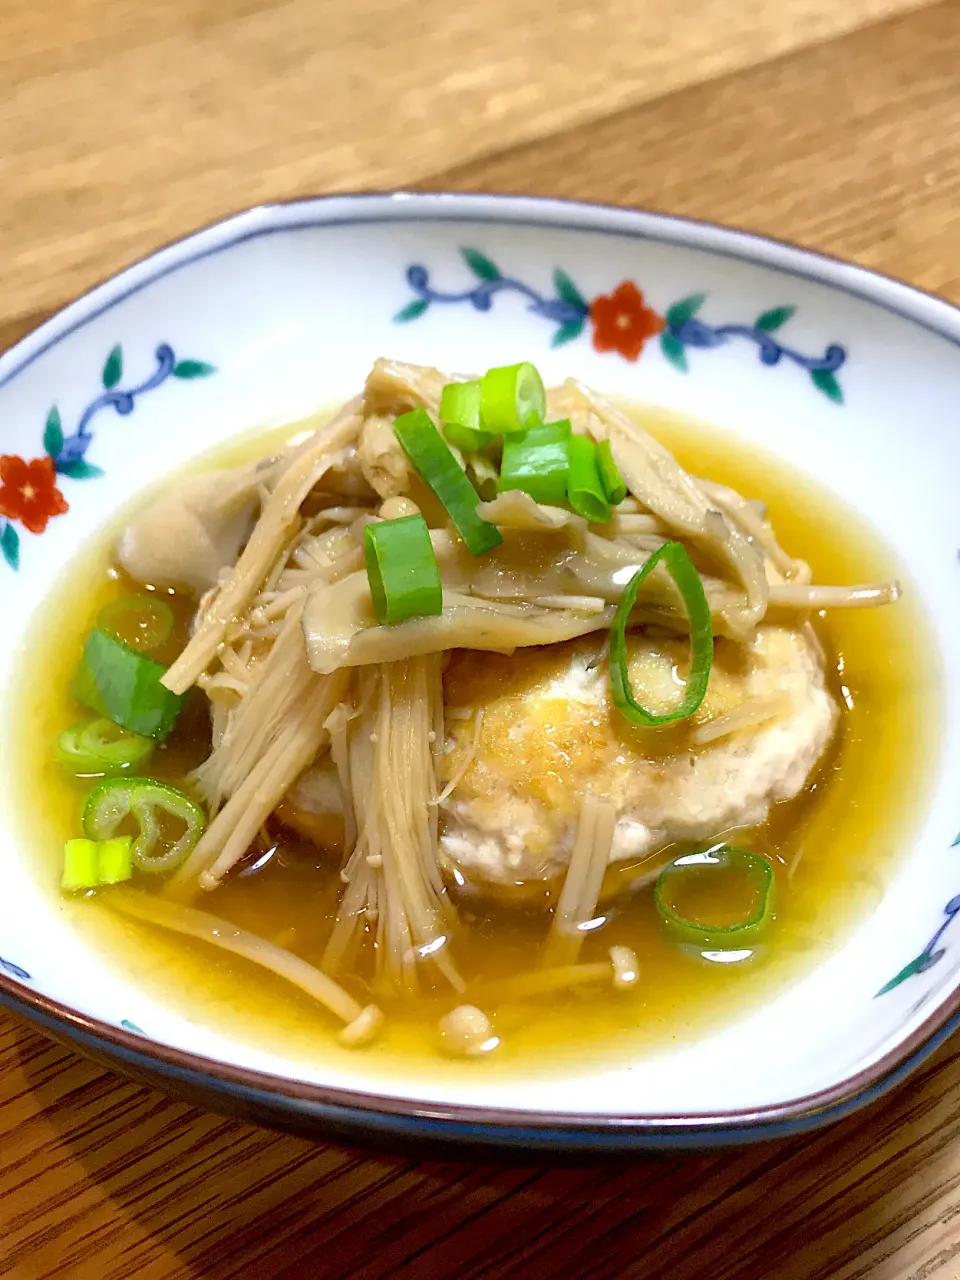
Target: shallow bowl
<point>847,375</point>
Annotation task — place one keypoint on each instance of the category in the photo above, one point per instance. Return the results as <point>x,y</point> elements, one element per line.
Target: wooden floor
<point>124,125</point>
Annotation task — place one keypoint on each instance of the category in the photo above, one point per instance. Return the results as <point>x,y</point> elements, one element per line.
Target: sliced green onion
<point>585,491</point>
<point>402,570</point>
<point>121,684</point>
<point>154,806</point>
<point>79,866</point>
<point>460,415</point>
<point>89,863</point>
<point>438,468</point>
<point>141,622</point>
<point>115,860</point>
<point>724,859</point>
<point>610,476</point>
<point>512,398</point>
<point>680,567</point>
<point>466,439</point>
<point>100,746</point>
<point>538,462</point>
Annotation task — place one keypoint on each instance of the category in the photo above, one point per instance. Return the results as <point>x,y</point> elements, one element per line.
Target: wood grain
<point>101,1177</point>
<point>852,148</point>
<point>125,124</point>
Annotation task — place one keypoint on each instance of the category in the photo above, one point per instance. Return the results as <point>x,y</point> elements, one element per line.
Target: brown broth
<point>833,848</point>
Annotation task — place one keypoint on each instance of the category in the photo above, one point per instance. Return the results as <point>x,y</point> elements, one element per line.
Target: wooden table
<point>124,124</point>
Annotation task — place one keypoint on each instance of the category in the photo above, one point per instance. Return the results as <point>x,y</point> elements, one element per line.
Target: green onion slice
<point>460,415</point>
<point>402,570</point>
<point>466,439</point>
<point>438,468</point>
<point>725,859</point>
<point>537,462</point>
<point>115,860</point>
<point>97,745</point>
<point>585,491</point>
<point>90,863</point>
<point>121,684</point>
<point>169,822</point>
<point>141,622</point>
<point>512,398</point>
<point>610,477</point>
<point>79,866</point>
<point>680,567</point>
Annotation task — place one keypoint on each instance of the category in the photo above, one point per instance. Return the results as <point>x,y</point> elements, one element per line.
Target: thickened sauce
<point>832,848</point>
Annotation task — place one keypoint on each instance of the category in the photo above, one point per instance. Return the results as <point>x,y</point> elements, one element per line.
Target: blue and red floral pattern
<point>30,493</point>
<point>932,953</point>
<point>623,321</point>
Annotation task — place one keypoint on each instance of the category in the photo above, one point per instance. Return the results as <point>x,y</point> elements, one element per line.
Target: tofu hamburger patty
<point>549,732</point>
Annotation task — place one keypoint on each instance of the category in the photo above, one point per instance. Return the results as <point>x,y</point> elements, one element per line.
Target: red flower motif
<point>29,493</point>
<point>622,321</point>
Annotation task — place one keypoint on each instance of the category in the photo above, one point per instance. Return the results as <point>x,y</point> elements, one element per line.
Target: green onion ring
<point>610,477</point>
<point>80,866</point>
<point>537,462</point>
<point>460,415</point>
<point>438,468</point>
<point>512,398</point>
<point>678,564</point>
<point>585,490</point>
<point>142,622</point>
<point>725,857</point>
<point>123,685</point>
<point>145,800</point>
<point>402,570</point>
<point>115,860</point>
<point>88,864</point>
<point>98,745</point>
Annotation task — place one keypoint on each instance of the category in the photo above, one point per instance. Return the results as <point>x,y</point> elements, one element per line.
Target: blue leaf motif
<point>672,348</point>
<point>193,369</point>
<point>113,368</point>
<point>681,311</point>
<point>774,318</point>
<point>68,452</point>
<point>931,954</point>
<point>567,332</point>
<point>53,434</point>
<point>569,292</point>
<point>411,311</point>
<point>824,381</point>
<point>79,470</point>
<point>684,331</point>
<point>918,965</point>
<point>14,970</point>
<point>480,265</point>
<point>10,546</point>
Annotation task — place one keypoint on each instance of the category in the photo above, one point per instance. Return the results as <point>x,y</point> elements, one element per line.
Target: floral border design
<point>29,494</point>
<point>932,953</point>
<point>622,322</point>
<point>28,490</point>
<point>14,970</point>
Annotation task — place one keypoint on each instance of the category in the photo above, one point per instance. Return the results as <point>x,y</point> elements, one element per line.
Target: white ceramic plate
<point>841,372</point>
